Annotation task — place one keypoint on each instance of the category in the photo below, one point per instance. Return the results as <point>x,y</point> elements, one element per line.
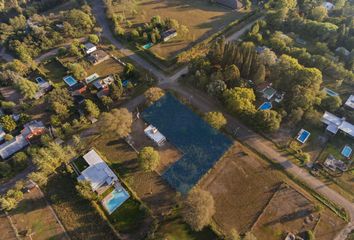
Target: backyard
<point>200,17</point>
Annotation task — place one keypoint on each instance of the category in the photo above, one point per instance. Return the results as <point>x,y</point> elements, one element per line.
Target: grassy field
<point>244,186</point>
<point>81,220</point>
<point>201,18</point>
<point>33,214</point>
<point>54,72</point>
<point>105,68</point>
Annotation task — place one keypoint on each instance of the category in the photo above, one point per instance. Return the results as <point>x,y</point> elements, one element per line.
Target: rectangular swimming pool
<point>330,92</point>
<point>347,151</point>
<point>115,199</point>
<point>303,136</point>
<point>70,80</point>
<point>265,106</point>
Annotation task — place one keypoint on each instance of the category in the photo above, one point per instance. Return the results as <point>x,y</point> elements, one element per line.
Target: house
<point>334,124</point>
<point>234,4</point>
<point>328,5</point>
<point>97,173</point>
<point>268,92</point>
<point>98,57</point>
<point>30,130</point>
<point>89,48</point>
<point>350,102</point>
<point>334,164</point>
<point>2,134</point>
<point>103,83</point>
<point>342,51</point>
<point>155,135</point>
<point>168,34</point>
<point>103,92</point>
<point>91,78</point>
<point>78,88</point>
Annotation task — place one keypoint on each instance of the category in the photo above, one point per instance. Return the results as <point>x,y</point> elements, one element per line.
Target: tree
<point>61,110</point>
<point>106,101</point>
<point>85,191</point>
<point>8,123</point>
<point>216,88</point>
<point>74,50</point>
<point>116,90</point>
<point>153,94</point>
<point>268,120</point>
<point>80,20</point>
<point>304,157</point>
<point>249,236</point>
<point>91,108</point>
<point>19,161</point>
<point>331,103</point>
<point>61,96</point>
<point>149,159</point>
<point>240,100</point>
<point>319,13</point>
<point>5,169</point>
<point>259,75</point>
<point>77,70</point>
<point>93,38</point>
<point>267,57</point>
<point>39,177</point>
<point>117,122</point>
<point>198,209</point>
<point>247,4</point>
<point>232,73</point>
<point>310,235</point>
<point>27,88</point>
<point>295,116</point>
<point>7,204</point>
<point>233,235</point>
<point>215,119</point>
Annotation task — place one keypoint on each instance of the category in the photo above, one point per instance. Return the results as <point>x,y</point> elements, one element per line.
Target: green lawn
<point>54,72</point>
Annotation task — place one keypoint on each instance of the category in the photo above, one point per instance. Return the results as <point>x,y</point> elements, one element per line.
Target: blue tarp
<point>201,145</point>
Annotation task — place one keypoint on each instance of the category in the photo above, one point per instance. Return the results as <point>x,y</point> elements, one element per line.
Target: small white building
<point>89,48</point>
<point>169,34</point>
<point>155,135</point>
<point>328,5</point>
<point>97,173</point>
<point>350,102</point>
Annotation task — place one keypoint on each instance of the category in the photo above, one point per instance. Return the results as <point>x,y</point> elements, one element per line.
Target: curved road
<point>244,134</point>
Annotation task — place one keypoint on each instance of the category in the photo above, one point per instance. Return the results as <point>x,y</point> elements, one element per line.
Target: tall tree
<point>117,122</point>
<point>149,159</point>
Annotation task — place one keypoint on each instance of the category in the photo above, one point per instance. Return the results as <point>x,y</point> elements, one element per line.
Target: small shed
<point>155,135</point>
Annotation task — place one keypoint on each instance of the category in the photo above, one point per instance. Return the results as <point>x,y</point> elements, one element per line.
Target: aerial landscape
<point>176,119</point>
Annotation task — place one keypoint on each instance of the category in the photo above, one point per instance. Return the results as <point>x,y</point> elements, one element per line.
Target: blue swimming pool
<point>347,151</point>
<point>125,83</point>
<point>303,136</point>
<point>265,106</point>
<point>148,45</point>
<point>40,80</point>
<point>70,80</point>
<point>113,200</point>
<point>330,92</point>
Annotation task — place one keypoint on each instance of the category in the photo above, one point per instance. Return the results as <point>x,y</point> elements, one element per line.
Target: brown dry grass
<point>105,68</point>
<point>202,19</point>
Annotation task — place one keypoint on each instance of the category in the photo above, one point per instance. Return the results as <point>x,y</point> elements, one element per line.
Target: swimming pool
<point>113,200</point>
<point>265,106</point>
<point>330,92</point>
<point>125,83</point>
<point>40,80</point>
<point>303,136</point>
<point>347,151</point>
<point>70,80</point>
<point>148,45</point>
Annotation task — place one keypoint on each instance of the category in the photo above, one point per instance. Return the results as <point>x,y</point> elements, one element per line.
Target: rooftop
<point>155,135</point>
<point>350,102</point>
<point>97,173</point>
<point>89,45</point>
<point>336,123</point>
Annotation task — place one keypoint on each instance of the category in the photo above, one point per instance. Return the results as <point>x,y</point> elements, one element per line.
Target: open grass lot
<point>6,230</point>
<point>239,205</point>
<point>80,219</point>
<point>202,19</point>
<point>33,214</point>
<point>105,68</point>
<point>54,72</point>
<point>297,215</point>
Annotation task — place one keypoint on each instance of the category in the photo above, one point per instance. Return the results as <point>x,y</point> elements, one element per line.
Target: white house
<point>350,102</point>
<point>328,5</point>
<point>89,48</point>
<point>334,124</point>
<point>97,173</point>
<point>155,135</point>
<point>168,34</point>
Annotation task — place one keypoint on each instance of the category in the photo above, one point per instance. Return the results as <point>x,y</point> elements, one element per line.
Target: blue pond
<point>347,151</point>
<point>265,106</point>
<point>202,146</point>
<point>303,136</point>
<point>70,80</point>
<point>116,198</point>
<point>148,45</point>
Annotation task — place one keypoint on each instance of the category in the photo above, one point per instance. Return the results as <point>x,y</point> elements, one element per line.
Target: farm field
<point>201,18</point>
<point>239,205</point>
<point>33,215</point>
